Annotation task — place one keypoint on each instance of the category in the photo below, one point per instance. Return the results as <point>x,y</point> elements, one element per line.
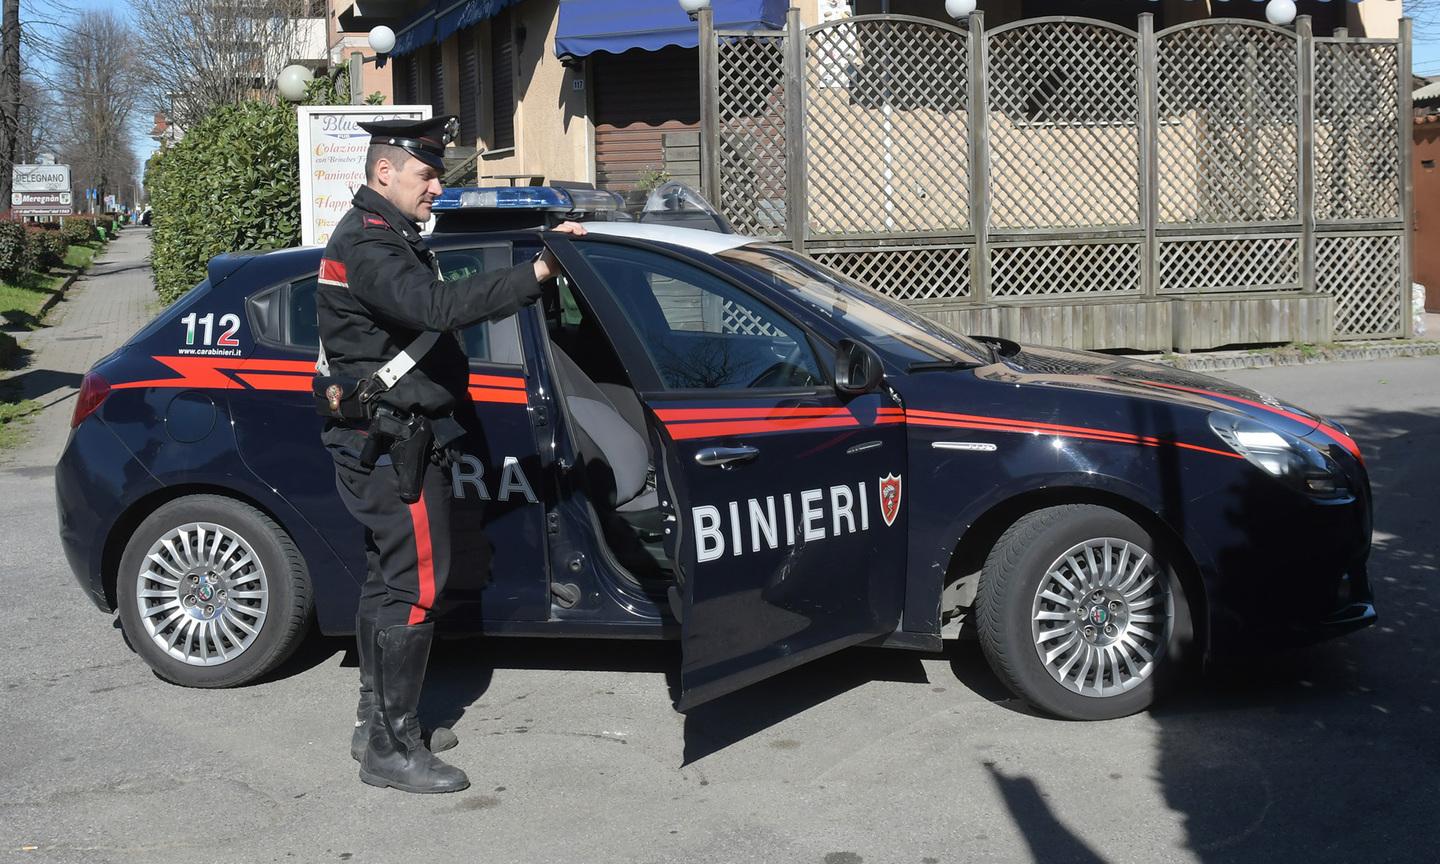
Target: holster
<point>411,457</point>
<point>408,440</point>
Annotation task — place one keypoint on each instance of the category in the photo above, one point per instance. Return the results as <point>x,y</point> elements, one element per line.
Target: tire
<point>239,605</point>
<point>1092,673</point>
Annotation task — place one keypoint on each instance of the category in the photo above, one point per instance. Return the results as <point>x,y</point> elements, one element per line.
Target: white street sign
<point>41,190</point>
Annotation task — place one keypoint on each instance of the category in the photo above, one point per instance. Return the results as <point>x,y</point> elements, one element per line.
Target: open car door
<point>784,503</point>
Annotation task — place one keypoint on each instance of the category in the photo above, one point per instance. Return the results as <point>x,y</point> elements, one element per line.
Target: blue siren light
<point>546,198</point>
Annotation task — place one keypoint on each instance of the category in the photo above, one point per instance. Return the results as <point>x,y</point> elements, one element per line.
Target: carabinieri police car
<point>706,437</point>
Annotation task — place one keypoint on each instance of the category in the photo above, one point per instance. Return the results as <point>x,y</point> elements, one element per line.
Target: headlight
<point>1284,457</point>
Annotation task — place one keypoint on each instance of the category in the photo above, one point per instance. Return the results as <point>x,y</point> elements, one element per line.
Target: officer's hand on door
<point>546,266</point>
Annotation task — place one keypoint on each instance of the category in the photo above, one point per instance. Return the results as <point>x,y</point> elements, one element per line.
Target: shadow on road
<point>34,383</point>
<point>1329,753</point>
<point>713,726</point>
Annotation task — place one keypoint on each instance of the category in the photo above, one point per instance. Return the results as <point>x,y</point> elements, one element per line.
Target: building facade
<point>546,93</point>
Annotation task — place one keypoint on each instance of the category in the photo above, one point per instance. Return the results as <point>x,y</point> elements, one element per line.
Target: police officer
<point>379,292</point>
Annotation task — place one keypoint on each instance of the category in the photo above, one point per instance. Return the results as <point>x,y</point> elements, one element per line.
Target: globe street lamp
<point>692,7</point>
<point>959,9</point>
<point>294,79</point>
<point>1280,12</point>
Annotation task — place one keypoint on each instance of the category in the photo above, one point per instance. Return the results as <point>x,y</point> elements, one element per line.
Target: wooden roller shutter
<point>405,80</point>
<point>502,83</point>
<point>469,88</point>
<point>640,96</point>
<point>437,81</point>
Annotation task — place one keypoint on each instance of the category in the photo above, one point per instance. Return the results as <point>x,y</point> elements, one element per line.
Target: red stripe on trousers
<point>425,563</point>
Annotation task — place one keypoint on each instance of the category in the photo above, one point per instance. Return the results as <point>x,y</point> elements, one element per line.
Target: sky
<point>1425,53</point>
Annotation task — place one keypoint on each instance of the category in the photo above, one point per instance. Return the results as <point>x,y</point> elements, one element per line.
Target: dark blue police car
<point>705,437</point>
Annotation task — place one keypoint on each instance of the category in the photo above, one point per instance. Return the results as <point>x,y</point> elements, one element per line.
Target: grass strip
<point>20,301</point>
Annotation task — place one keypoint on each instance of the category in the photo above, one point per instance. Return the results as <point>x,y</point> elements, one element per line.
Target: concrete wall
<point>551,115</point>
<point>340,45</point>
<point>1375,19</point>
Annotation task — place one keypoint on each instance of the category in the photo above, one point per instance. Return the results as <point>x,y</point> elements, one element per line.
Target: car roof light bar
<point>543,198</point>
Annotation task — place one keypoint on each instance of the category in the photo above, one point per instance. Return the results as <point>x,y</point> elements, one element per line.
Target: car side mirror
<point>858,369</point>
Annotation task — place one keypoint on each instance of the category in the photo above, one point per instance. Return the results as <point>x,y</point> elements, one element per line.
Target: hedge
<point>47,247</point>
<point>17,256</point>
<point>78,229</point>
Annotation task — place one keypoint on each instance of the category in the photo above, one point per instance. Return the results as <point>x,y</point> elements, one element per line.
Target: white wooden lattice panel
<point>1363,272</point>
<point>1357,150</point>
<point>887,129</point>
<point>921,273</point>
<point>1238,264</point>
<point>752,134</point>
<point>1064,140</point>
<point>1056,269</point>
<point>1228,137</point>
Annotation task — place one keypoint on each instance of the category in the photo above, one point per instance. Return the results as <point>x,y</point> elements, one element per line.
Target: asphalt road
<point>1329,754</point>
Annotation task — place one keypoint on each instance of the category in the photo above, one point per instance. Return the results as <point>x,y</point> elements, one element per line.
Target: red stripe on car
<point>1334,434</point>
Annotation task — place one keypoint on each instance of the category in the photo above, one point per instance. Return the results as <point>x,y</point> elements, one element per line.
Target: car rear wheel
<point>212,592</point>
<point>1080,612</point>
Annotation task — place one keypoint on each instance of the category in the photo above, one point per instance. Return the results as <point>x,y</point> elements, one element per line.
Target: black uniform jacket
<point>380,288</point>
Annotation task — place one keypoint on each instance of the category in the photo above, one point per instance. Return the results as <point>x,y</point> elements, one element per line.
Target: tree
<point>9,96</point>
<point>95,87</point>
<point>210,53</point>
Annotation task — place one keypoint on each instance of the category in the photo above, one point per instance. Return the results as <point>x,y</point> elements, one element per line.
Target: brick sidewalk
<point>102,309</point>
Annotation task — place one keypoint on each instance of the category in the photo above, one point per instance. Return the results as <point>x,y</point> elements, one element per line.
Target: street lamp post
<point>294,80</point>
<point>382,41</point>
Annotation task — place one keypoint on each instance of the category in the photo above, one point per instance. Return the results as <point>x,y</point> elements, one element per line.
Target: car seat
<point>612,443</point>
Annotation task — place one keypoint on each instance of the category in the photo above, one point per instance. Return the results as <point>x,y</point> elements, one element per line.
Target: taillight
<point>93,390</point>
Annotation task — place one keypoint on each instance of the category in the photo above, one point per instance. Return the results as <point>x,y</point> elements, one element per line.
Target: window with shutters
<point>401,76</point>
<point>469,88</point>
<point>437,81</point>
<point>502,82</point>
<point>407,80</point>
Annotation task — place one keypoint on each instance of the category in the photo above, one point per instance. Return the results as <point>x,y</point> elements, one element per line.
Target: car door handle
<point>724,457</point>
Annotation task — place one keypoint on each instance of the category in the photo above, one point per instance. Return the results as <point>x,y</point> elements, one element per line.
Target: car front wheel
<point>1080,613</point>
<point>212,592</point>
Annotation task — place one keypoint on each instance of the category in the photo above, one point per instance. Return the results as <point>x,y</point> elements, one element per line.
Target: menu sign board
<point>332,160</point>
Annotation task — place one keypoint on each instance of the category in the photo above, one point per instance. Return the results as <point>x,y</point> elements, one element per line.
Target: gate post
<point>1407,183</point>
<point>709,110</point>
<point>1305,128</point>
<point>797,211</point>
<point>979,104</point>
<point>1148,128</point>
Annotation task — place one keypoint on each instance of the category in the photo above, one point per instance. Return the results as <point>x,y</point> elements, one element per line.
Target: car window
<point>491,341</point>
<point>877,319</point>
<point>300,318</point>
<point>700,331</point>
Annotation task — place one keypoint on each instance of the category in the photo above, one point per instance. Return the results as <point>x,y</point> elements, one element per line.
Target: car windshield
<point>877,319</point>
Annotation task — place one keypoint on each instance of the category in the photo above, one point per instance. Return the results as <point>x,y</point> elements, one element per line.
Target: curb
<point>1221,361</point>
<point>59,294</point>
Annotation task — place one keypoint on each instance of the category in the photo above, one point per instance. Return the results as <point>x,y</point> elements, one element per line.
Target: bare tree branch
<point>208,53</point>
<point>96,92</point>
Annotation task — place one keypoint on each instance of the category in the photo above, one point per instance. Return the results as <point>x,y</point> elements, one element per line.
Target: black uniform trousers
<point>407,546</point>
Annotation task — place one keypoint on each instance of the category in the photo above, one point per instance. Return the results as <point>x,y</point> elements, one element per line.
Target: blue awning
<point>437,21</point>
<point>588,26</point>
<point>416,33</point>
<point>454,16</point>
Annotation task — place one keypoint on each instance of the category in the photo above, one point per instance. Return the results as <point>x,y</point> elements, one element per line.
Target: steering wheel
<point>781,373</point>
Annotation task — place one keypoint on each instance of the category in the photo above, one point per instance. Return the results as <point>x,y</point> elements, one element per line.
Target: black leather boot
<point>438,739</point>
<point>396,756</point>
